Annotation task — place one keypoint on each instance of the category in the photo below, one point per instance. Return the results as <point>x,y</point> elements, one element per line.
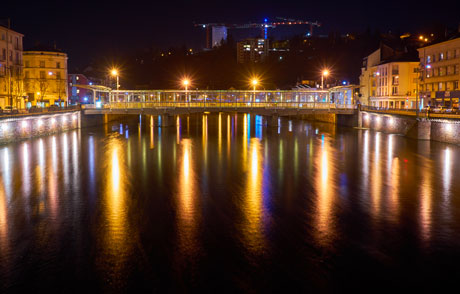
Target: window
<point>441,56</point>
<point>11,55</point>
<point>58,75</point>
<point>395,69</point>
<point>456,69</point>
<point>58,65</point>
<point>394,91</point>
<point>428,59</point>
<point>415,70</point>
<point>395,80</point>
<point>3,54</point>
<point>450,54</point>
<point>440,86</point>
<point>27,74</point>
<point>42,63</point>
<point>442,71</point>
<point>455,85</point>
<point>27,63</point>
<point>42,74</point>
<point>78,91</point>
<point>3,37</point>
<point>450,70</point>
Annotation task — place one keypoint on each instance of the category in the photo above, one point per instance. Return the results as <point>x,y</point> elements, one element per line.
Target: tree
<point>17,87</point>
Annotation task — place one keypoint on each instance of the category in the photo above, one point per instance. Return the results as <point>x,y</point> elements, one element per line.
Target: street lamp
<point>186,82</point>
<point>114,73</point>
<point>324,74</point>
<point>254,83</point>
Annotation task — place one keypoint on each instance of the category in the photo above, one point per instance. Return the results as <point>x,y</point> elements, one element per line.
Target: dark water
<point>222,203</point>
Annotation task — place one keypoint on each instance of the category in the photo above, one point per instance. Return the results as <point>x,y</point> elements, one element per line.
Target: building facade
<point>252,50</point>
<point>11,68</point>
<point>389,78</point>
<point>440,74</point>
<point>45,77</point>
<point>395,85</point>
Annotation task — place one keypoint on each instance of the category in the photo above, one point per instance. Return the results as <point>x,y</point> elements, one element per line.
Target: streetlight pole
<point>254,84</point>
<point>324,74</point>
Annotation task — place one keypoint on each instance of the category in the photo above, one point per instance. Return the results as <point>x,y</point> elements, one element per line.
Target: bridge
<point>338,100</point>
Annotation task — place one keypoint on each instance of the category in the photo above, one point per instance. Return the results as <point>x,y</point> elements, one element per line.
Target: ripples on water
<point>221,202</point>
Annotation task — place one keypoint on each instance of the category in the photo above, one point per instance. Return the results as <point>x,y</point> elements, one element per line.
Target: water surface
<point>224,203</point>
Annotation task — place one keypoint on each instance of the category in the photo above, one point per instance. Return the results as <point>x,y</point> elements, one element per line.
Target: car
<point>34,109</point>
<point>11,110</point>
<point>53,108</point>
<point>439,109</point>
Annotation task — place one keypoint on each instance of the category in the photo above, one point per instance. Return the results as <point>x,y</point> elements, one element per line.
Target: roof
<point>13,31</point>
<point>44,48</point>
<point>439,41</point>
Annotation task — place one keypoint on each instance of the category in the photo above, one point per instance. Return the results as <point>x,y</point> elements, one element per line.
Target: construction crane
<point>216,32</point>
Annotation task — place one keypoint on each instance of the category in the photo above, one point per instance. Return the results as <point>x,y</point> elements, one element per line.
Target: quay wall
<point>440,130</point>
<point>20,127</point>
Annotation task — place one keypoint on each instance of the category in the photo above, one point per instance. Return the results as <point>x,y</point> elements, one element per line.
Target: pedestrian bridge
<point>337,100</point>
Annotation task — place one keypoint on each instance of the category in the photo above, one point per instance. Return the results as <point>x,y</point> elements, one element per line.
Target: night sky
<point>96,29</point>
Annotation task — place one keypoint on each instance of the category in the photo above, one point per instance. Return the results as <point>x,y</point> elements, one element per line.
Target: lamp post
<point>186,82</point>
<point>114,73</point>
<point>324,74</point>
<point>254,83</point>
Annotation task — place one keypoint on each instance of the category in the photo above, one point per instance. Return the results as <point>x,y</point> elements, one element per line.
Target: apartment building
<point>11,68</point>
<point>440,76</point>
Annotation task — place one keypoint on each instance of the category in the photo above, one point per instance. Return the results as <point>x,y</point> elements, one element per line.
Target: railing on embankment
<point>23,126</point>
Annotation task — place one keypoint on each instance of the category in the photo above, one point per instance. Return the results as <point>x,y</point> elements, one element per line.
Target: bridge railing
<point>217,104</point>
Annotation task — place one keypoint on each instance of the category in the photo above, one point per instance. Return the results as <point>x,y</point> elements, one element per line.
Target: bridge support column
<point>167,120</point>
<point>273,121</point>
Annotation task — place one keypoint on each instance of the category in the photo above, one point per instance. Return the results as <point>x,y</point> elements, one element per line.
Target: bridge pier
<point>273,121</point>
<point>167,120</point>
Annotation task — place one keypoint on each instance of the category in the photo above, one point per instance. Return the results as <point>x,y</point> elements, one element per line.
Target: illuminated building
<point>440,70</point>
<point>389,78</point>
<point>45,76</point>
<point>11,86</point>
<point>252,50</point>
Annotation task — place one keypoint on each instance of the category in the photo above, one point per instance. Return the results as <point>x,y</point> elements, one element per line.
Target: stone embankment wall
<point>20,127</point>
<point>441,130</point>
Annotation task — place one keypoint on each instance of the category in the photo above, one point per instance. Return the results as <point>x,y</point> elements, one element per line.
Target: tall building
<point>440,74</point>
<point>252,50</point>
<point>219,35</point>
<point>389,78</point>
<point>11,73</point>
<point>45,77</point>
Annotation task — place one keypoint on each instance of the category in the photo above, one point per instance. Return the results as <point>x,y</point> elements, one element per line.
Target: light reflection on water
<point>173,203</point>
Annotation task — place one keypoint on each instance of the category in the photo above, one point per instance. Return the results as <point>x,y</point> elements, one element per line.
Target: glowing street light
<point>186,83</point>
<point>324,74</point>
<point>114,73</point>
<point>254,83</point>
